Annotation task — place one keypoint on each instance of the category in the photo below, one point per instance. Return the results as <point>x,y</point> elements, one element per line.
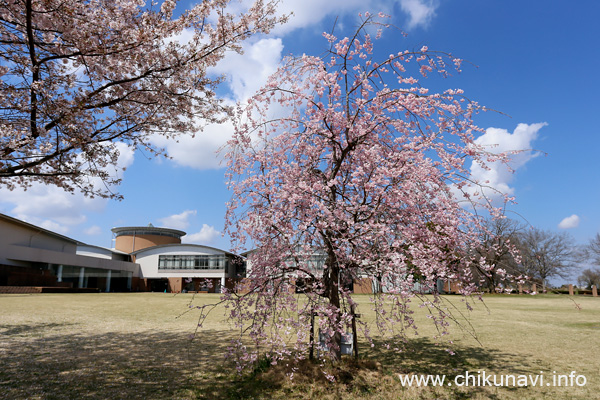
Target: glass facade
<point>193,262</point>
<point>314,263</point>
<point>86,277</point>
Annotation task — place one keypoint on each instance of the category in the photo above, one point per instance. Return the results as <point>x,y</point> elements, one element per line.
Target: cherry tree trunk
<point>331,279</point>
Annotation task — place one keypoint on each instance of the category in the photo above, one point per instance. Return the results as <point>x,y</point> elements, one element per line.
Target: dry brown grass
<point>132,346</point>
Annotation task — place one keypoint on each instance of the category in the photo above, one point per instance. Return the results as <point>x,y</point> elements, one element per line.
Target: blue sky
<point>535,61</point>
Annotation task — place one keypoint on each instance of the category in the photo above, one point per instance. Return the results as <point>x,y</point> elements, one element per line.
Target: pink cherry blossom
<point>79,76</point>
<point>355,181</point>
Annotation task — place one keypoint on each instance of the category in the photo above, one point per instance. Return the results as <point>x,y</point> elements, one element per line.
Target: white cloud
<point>93,230</point>
<point>246,73</point>
<point>54,209</point>
<point>569,222</point>
<point>496,176</point>
<point>206,235</point>
<point>178,221</point>
<point>200,151</point>
<point>307,13</point>
<point>311,12</point>
<point>260,60</point>
<point>53,226</point>
<point>420,12</point>
<point>49,207</point>
<point>183,37</point>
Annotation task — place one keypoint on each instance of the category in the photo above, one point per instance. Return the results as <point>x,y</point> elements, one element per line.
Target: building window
<point>196,262</point>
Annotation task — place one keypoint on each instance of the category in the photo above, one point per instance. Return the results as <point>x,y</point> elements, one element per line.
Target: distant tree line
<point>590,253</point>
<point>515,249</point>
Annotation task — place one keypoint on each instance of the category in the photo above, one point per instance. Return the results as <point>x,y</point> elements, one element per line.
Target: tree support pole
<point>354,333</point>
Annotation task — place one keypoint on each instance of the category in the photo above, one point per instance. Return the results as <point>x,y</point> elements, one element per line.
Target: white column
<point>222,283</point>
<point>81,276</point>
<point>129,277</point>
<point>108,275</point>
<point>59,273</point>
<point>440,285</point>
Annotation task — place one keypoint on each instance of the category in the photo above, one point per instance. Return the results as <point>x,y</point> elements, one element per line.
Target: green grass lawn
<point>134,346</point>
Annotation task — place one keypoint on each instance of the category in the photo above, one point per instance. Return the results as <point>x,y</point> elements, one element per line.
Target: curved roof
<point>147,230</point>
<point>183,245</point>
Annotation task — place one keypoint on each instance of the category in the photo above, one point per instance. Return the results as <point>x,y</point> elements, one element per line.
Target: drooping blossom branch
<point>346,170</point>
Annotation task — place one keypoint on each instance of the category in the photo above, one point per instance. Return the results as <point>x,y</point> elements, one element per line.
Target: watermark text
<point>482,378</point>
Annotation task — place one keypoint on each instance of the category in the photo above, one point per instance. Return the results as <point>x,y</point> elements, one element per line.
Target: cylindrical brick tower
<point>134,238</point>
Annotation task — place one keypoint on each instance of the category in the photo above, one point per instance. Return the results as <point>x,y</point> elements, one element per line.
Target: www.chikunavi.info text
<point>482,378</point>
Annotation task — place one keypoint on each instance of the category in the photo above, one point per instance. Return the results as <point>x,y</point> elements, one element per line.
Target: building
<point>144,259</point>
<point>34,256</point>
<point>314,263</point>
<point>167,264</point>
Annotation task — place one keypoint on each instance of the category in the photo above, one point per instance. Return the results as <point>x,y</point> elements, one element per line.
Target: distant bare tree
<point>498,240</point>
<point>589,277</point>
<point>591,251</point>
<point>546,254</point>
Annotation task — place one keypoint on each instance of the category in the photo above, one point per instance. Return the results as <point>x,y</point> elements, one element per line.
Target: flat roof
<point>152,230</point>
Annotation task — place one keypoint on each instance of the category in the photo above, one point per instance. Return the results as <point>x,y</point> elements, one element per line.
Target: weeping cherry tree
<point>346,170</point>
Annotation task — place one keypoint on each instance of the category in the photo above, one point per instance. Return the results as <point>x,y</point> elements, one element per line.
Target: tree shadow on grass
<point>30,329</point>
<point>424,356</point>
<point>168,365</point>
<point>142,365</point>
<point>376,374</point>
<point>466,364</point>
